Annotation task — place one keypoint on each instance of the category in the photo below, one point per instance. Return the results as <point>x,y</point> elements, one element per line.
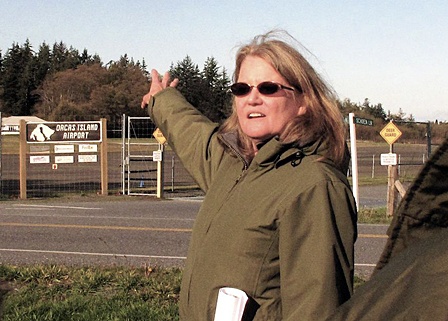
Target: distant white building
<point>11,125</point>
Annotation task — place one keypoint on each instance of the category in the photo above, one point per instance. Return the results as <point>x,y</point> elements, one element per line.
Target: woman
<point>278,220</point>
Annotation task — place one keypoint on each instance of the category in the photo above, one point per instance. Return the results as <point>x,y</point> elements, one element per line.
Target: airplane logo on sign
<point>41,133</point>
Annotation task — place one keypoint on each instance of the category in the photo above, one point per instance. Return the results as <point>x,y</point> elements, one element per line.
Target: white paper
<point>230,305</point>
<point>64,149</point>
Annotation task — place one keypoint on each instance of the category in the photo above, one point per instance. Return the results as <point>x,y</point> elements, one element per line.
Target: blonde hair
<point>322,117</point>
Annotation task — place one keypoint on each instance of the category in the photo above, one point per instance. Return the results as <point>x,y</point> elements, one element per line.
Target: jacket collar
<point>273,152</point>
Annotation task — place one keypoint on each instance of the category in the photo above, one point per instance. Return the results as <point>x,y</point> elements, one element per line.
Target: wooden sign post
<point>391,133</point>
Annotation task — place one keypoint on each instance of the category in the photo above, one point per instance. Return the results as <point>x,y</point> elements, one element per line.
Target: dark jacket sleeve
<point>189,133</point>
<point>411,281</point>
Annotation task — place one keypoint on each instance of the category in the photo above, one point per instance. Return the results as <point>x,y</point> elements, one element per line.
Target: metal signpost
<point>354,154</point>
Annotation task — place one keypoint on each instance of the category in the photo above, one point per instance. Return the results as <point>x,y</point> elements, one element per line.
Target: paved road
<point>133,232</point>
<point>117,232</point>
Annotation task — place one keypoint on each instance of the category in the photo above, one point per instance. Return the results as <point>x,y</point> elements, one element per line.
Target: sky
<point>392,52</point>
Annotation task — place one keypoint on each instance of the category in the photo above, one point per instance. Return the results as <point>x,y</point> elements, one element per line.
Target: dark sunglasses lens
<point>240,89</point>
<point>267,88</point>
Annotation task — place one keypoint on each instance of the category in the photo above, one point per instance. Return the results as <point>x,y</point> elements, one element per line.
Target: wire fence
<point>55,169</point>
<point>410,159</point>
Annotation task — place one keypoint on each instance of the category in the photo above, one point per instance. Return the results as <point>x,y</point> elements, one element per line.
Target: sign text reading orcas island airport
<point>53,132</point>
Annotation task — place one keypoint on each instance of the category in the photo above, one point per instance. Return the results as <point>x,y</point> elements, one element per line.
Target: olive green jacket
<point>411,277</point>
<point>281,228</point>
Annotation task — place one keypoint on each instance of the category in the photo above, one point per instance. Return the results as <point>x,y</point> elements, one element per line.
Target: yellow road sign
<point>159,136</point>
<point>390,133</point>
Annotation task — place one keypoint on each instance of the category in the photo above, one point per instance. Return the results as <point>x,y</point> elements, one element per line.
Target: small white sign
<point>157,156</point>
<point>389,159</point>
<point>64,149</point>
<point>88,148</point>
<point>39,149</point>
<point>63,159</point>
<point>39,159</point>
<point>87,158</point>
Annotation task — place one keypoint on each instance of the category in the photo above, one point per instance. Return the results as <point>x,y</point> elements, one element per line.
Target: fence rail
<point>45,180</point>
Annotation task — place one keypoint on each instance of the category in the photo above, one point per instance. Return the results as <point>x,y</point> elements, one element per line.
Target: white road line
<point>125,255</point>
<point>101,217</point>
<point>56,206</point>
<point>188,199</point>
<point>95,254</point>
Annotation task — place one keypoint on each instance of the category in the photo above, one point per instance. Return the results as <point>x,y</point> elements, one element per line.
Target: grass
<point>358,282</point>
<point>373,216</point>
<point>380,180</point>
<point>60,293</point>
<point>89,293</point>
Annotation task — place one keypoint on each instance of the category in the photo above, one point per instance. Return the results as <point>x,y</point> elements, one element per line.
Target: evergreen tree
<point>85,58</point>
<point>347,106</point>
<point>216,104</point>
<point>96,60</point>
<point>225,95</point>
<point>64,58</point>
<point>144,68</point>
<point>23,71</point>
<point>43,63</point>
<point>18,80</point>
<point>400,116</point>
<point>190,81</point>
<point>376,111</point>
<point>205,90</point>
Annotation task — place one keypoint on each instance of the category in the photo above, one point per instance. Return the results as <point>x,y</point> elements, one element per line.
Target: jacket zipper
<point>241,158</point>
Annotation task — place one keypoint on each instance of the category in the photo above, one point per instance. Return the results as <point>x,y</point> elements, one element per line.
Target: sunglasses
<point>264,88</point>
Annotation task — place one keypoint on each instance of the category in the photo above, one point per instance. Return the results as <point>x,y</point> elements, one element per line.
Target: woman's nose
<point>254,96</point>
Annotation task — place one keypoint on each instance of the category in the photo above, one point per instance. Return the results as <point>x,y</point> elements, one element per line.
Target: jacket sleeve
<point>316,248</point>
<point>188,132</point>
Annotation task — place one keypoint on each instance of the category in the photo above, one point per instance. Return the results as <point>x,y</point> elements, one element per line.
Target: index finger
<point>174,83</point>
<point>154,76</point>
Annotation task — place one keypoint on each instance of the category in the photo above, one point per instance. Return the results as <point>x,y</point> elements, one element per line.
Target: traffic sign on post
<point>158,135</point>
<point>389,159</point>
<point>390,133</point>
<point>363,121</point>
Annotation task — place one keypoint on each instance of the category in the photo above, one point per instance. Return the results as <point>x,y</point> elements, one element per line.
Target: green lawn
<point>60,293</point>
<point>373,216</point>
<point>90,293</point>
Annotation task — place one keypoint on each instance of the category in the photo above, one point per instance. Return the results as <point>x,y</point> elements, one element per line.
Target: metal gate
<point>140,157</point>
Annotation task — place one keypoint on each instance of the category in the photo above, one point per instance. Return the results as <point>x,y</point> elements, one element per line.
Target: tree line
<point>61,83</point>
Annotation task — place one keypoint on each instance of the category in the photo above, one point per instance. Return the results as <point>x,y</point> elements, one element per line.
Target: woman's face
<point>262,117</point>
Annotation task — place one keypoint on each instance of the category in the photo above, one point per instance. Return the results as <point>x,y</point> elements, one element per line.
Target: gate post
<point>392,174</point>
<point>104,169</point>
<point>160,176</point>
<point>22,159</point>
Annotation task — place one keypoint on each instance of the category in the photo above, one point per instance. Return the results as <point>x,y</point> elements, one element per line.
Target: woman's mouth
<point>255,115</point>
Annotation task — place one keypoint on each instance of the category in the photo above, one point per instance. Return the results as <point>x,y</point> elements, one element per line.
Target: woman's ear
<point>302,108</point>
<point>302,104</point>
